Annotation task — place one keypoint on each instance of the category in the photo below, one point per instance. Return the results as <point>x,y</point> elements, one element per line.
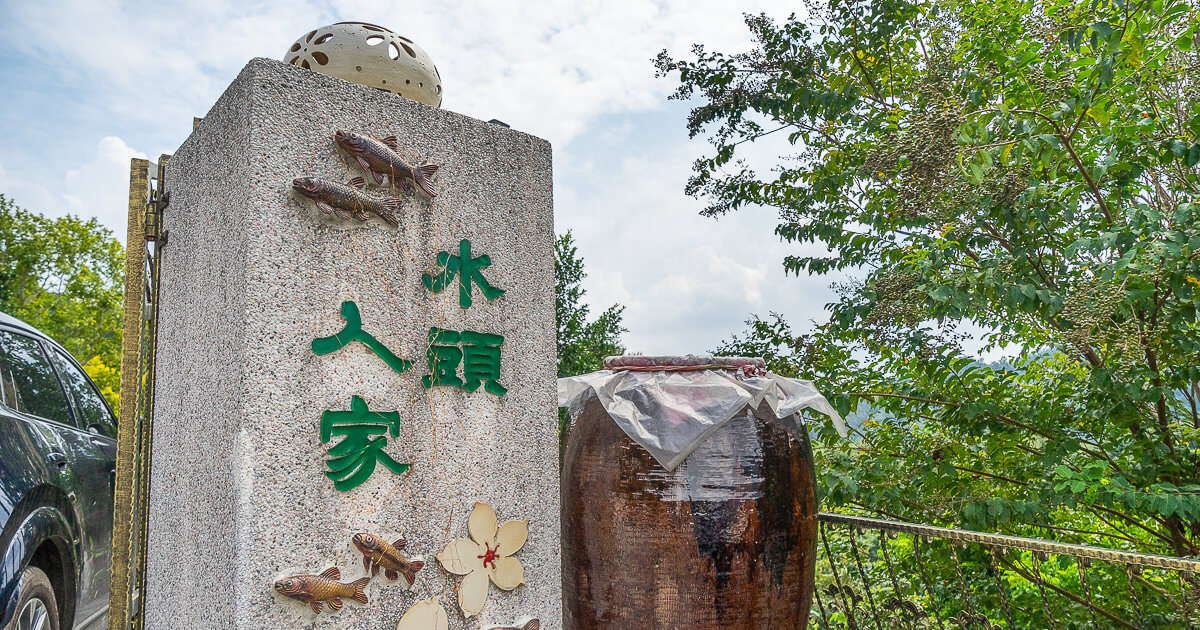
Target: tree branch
<point>1065,593</point>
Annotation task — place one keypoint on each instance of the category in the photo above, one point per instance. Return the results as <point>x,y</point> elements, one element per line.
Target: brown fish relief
<point>533,624</point>
<point>379,158</point>
<point>347,200</point>
<point>378,553</point>
<point>315,589</point>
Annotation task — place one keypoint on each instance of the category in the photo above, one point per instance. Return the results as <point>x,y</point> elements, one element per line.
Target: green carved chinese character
<point>481,362</point>
<point>352,460</point>
<point>467,269</point>
<point>479,356</point>
<point>444,357</point>
<point>353,332</point>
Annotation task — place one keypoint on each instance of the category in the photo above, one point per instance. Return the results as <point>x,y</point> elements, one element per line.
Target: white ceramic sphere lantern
<point>370,55</point>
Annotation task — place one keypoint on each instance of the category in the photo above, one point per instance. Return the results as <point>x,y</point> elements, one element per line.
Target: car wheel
<point>36,606</point>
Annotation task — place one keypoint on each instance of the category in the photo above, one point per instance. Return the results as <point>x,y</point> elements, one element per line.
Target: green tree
<point>65,276</point>
<point>1025,168</point>
<point>582,344</point>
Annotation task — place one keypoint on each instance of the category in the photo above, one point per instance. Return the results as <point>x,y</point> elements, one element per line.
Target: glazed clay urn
<point>369,55</point>
<point>693,503</point>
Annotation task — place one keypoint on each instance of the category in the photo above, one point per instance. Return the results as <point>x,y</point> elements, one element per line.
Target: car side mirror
<point>98,429</point>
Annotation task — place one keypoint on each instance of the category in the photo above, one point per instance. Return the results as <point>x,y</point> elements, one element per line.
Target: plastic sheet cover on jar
<point>670,412</point>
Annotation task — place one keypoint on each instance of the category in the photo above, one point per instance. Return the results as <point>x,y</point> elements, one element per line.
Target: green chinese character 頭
<point>481,362</point>
<point>444,357</point>
<point>479,356</point>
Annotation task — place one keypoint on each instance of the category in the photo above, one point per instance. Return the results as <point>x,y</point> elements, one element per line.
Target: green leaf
<point>1106,70</point>
<point>1178,147</point>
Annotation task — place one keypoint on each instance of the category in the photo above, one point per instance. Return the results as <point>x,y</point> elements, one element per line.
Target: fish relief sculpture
<point>315,589</point>
<point>379,158</point>
<point>347,200</point>
<point>377,553</point>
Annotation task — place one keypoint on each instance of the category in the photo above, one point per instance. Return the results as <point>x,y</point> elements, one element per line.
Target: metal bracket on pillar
<point>155,205</point>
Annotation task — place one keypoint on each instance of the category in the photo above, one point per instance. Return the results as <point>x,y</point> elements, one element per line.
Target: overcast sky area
<point>90,84</point>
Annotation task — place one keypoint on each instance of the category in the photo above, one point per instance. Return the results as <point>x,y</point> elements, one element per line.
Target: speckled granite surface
<point>252,273</point>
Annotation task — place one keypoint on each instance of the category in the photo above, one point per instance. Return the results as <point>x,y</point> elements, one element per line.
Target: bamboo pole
<point>131,340</point>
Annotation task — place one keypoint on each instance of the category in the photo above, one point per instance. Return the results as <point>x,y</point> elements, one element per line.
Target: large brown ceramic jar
<point>727,540</point>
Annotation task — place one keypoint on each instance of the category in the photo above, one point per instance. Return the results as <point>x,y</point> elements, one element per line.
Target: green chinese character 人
<point>353,331</point>
<point>364,434</point>
<point>444,357</point>
<point>468,270</point>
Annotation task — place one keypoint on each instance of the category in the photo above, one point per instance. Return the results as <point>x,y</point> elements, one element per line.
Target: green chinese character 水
<point>353,331</point>
<point>364,433</point>
<point>468,270</point>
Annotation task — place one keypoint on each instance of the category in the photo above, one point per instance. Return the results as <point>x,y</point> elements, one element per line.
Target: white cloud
<point>25,192</point>
<point>552,67</point>
<point>95,188</point>
<point>547,67</point>
<point>577,73</point>
<point>687,281</point>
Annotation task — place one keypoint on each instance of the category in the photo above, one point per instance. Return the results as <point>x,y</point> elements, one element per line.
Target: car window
<point>28,382</point>
<point>89,406</point>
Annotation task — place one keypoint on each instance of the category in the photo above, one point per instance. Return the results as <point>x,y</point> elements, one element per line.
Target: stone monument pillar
<point>326,375</point>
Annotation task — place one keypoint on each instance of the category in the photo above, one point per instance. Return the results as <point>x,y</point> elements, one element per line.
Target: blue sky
<point>90,84</point>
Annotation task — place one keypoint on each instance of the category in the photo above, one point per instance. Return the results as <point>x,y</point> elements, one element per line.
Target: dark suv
<point>57,471</point>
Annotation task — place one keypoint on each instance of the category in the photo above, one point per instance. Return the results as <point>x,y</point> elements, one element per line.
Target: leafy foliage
<point>1024,168</point>
<point>65,276</point>
<point>582,344</point>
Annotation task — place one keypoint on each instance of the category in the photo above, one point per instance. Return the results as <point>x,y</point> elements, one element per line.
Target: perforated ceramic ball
<point>370,55</point>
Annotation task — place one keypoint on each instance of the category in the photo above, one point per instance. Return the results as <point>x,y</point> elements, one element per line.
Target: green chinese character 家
<point>364,434</point>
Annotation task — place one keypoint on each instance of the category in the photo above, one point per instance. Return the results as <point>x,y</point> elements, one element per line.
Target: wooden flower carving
<point>426,614</point>
<point>485,557</point>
